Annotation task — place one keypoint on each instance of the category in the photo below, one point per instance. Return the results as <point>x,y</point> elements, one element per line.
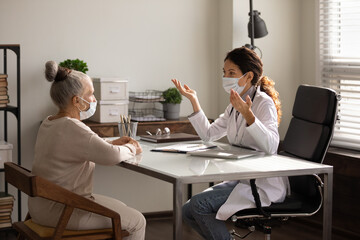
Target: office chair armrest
<point>319,180</point>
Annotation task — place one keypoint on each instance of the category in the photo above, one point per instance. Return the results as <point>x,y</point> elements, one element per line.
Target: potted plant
<point>76,64</point>
<point>171,103</point>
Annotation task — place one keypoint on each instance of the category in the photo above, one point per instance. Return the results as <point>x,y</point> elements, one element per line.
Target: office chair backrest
<point>311,128</point>
<point>310,132</point>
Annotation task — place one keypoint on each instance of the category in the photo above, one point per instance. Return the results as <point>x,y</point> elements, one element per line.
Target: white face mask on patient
<point>233,83</point>
<point>88,113</point>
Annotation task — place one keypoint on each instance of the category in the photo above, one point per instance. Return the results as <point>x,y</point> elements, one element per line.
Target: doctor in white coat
<point>251,120</point>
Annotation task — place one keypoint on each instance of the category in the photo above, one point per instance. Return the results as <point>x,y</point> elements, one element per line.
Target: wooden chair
<point>35,186</point>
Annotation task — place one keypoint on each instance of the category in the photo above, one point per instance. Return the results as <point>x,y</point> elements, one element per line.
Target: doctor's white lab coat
<point>262,135</point>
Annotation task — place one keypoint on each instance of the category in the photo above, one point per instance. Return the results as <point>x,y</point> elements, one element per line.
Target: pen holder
<point>128,129</point>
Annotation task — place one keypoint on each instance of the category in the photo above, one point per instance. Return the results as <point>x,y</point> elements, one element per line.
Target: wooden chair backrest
<point>36,186</point>
<point>19,177</point>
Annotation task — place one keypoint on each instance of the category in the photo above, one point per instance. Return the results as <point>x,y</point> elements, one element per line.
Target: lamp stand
<point>252,25</point>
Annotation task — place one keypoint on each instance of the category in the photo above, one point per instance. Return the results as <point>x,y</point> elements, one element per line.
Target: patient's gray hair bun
<point>51,70</point>
<point>54,72</point>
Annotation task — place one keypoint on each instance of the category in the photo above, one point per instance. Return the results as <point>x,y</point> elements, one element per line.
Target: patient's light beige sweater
<point>66,151</point>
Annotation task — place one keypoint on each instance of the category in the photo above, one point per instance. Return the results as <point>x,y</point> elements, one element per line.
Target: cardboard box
<point>111,89</point>
<point>110,111</point>
<point>5,153</point>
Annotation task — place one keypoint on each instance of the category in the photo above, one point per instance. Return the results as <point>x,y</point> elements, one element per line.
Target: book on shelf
<point>3,83</point>
<point>4,225</point>
<point>3,90</point>
<point>6,196</point>
<point>5,210</point>
<point>6,206</point>
<point>4,218</point>
<point>3,76</point>
<point>4,214</point>
<point>4,101</point>
<point>4,97</point>
<point>6,202</point>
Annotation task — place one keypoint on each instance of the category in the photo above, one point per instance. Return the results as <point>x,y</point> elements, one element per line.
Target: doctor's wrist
<point>249,118</point>
<point>195,104</point>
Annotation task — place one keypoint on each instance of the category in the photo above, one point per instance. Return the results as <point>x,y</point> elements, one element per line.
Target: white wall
<point>148,42</point>
<point>308,42</point>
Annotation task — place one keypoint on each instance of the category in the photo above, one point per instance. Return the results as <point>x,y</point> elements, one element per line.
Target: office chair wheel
<point>244,224</point>
<point>251,230</point>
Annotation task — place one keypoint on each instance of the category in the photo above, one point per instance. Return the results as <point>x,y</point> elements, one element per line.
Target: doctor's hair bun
<point>54,72</point>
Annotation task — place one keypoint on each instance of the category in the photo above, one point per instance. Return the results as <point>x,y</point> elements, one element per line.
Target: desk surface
<point>180,169</point>
<point>192,169</point>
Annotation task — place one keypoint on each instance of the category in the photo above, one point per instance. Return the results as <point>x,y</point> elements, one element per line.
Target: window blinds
<point>339,49</point>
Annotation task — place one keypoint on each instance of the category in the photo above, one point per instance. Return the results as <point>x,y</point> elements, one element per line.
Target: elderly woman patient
<point>66,151</point>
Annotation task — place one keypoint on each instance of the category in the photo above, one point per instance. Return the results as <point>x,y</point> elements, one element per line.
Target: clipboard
<point>183,147</point>
<point>173,137</point>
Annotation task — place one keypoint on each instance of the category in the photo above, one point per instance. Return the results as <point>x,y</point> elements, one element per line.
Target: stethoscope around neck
<point>252,100</point>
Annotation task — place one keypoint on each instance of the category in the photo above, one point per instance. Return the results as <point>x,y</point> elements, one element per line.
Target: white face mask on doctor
<point>233,83</point>
<point>88,113</point>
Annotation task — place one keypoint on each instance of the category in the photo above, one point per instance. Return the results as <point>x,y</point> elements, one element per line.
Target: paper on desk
<point>183,147</point>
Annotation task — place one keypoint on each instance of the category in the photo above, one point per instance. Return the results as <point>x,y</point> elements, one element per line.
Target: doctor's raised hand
<point>243,107</point>
<point>188,93</point>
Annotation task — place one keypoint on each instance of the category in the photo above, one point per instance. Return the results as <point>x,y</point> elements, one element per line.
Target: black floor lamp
<point>256,27</point>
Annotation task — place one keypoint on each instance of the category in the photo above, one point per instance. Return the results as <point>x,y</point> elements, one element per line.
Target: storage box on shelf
<point>5,153</point>
<point>110,111</point>
<point>112,96</point>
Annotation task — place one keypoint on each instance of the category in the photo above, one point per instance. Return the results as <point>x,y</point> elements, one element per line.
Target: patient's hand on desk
<point>121,141</point>
<point>125,140</point>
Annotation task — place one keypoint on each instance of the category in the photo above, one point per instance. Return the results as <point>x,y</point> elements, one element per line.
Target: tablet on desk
<point>183,147</point>
<point>237,153</point>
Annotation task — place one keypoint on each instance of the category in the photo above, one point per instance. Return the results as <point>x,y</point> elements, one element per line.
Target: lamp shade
<point>260,29</point>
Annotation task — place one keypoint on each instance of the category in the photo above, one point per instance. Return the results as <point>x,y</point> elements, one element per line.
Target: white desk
<point>181,169</point>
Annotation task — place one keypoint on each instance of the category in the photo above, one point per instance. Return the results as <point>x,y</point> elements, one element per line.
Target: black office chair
<point>308,137</point>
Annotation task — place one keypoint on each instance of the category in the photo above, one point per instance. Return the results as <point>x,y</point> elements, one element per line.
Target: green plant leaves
<point>77,64</point>
<point>172,95</point>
